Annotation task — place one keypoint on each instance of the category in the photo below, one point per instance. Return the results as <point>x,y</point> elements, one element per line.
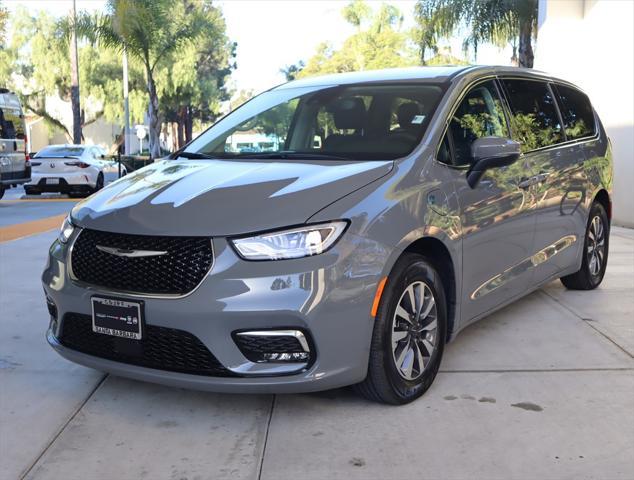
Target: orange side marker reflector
<point>377,296</point>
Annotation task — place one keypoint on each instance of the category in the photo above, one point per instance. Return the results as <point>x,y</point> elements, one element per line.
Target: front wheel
<point>409,334</point>
<point>595,252</point>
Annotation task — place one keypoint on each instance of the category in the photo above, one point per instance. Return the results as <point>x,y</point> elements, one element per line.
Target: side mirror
<point>491,152</point>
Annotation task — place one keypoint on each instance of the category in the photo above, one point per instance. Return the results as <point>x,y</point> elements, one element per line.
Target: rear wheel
<point>31,191</point>
<point>99,184</point>
<point>409,334</point>
<point>595,252</point>
<point>2,190</point>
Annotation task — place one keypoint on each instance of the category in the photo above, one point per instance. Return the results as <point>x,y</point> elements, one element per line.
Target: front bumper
<point>329,296</point>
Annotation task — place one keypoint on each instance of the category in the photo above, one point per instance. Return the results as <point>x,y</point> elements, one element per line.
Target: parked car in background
<point>73,169</point>
<point>14,161</point>
<point>434,197</point>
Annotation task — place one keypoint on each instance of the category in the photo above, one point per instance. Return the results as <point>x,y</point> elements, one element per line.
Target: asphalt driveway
<point>542,389</point>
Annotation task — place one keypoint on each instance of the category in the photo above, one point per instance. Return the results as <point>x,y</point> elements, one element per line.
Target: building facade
<point>591,43</point>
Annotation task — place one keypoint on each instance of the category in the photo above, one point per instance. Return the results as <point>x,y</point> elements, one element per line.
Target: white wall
<point>591,43</point>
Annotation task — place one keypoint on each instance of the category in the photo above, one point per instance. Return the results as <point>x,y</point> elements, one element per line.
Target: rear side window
<point>534,119</point>
<point>576,112</point>
<point>11,124</point>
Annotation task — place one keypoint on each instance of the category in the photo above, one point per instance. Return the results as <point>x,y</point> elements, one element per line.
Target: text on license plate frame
<point>117,317</point>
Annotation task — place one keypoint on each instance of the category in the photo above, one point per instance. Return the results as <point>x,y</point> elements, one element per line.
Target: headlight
<point>294,243</point>
<point>66,231</point>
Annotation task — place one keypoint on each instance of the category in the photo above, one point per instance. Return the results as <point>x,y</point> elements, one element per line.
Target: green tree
<point>193,84</point>
<point>291,72</point>
<point>150,30</point>
<point>4,16</point>
<point>35,64</point>
<point>496,21</point>
<point>379,42</point>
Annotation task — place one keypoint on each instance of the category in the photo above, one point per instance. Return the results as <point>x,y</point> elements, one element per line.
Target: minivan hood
<point>222,197</point>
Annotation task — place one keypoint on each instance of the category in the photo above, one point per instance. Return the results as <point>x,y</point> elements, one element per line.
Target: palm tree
<point>149,30</point>
<point>497,21</point>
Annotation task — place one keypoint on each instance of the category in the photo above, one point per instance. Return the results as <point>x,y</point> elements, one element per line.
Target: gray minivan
<point>14,161</point>
<point>336,231</point>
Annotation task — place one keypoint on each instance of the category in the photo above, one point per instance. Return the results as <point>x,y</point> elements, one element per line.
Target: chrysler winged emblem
<point>124,252</point>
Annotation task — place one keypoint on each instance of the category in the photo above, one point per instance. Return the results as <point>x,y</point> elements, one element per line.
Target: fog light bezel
<point>301,335</point>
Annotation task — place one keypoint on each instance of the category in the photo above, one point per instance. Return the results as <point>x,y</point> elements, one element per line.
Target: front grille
<point>161,348</point>
<point>179,271</point>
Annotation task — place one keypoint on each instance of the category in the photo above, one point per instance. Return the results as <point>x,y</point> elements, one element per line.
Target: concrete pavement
<point>542,389</point>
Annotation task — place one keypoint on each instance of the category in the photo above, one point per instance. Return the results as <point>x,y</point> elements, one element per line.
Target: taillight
<point>77,164</point>
<point>26,148</point>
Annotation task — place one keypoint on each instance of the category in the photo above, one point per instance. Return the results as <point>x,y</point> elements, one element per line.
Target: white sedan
<point>73,169</point>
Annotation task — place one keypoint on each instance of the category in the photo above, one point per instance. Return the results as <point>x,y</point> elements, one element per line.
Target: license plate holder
<point>117,317</point>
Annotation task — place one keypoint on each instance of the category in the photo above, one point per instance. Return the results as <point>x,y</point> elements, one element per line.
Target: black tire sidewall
<point>597,209</point>
<point>402,276</point>
<point>100,182</point>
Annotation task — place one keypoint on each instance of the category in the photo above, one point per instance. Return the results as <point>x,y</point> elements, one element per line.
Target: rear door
<point>557,185</point>
<point>12,141</point>
<point>497,215</point>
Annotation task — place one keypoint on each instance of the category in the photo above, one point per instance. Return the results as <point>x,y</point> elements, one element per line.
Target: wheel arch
<point>603,197</point>
<point>437,253</point>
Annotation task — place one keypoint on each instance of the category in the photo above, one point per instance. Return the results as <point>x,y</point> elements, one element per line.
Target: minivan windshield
<point>362,122</point>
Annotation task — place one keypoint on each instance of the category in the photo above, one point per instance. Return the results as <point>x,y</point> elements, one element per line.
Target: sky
<point>272,34</point>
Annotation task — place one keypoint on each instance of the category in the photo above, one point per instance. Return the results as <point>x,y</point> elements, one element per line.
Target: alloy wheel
<point>414,327</point>
<point>596,245</point>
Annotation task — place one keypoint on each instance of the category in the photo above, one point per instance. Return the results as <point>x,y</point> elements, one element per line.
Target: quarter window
<point>576,112</point>
<point>480,114</point>
<point>534,119</point>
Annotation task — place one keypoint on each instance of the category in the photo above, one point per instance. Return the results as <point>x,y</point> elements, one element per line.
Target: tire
<point>387,380</point>
<point>595,249</point>
<point>2,189</point>
<point>99,183</point>
<point>31,191</point>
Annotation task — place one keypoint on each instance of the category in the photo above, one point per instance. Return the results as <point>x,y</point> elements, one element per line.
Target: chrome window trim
<point>595,136</point>
<point>127,293</point>
<point>500,78</point>
<point>301,338</point>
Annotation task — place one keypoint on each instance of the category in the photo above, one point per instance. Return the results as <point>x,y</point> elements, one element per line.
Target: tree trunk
<point>189,124</point>
<point>155,124</point>
<point>181,127</point>
<point>74,80</point>
<point>526,56</point>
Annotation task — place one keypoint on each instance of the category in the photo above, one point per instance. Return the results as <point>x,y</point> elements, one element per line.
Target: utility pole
<point>126,104</point>
<point>74,77</point>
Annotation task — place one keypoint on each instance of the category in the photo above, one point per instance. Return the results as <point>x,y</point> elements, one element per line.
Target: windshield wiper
<point>195,156</point>
<point>293,155</point>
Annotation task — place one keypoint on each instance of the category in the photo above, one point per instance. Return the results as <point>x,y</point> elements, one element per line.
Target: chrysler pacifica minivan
<point>336,231</point>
